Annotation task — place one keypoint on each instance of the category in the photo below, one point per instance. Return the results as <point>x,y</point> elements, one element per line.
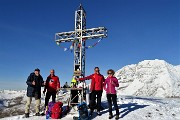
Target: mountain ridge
<point>149,78</point>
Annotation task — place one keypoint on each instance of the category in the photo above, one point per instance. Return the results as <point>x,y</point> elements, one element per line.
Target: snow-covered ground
<point>157,80</point>
<point>132,108</point>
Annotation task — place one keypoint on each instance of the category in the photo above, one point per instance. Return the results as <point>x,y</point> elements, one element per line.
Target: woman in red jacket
<point>96,89</point>
<point>109,85</point>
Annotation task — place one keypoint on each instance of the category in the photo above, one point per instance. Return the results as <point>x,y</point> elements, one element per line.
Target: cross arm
<point>93,33</point>
<point>65,36</point>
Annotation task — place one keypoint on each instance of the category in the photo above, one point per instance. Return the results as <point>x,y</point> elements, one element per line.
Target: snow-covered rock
<point>149,78</point>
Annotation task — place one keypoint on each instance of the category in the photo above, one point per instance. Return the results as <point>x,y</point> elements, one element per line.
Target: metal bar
<point>83,37</point>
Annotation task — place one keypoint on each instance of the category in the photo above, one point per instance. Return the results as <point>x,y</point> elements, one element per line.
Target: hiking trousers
<point>48,95</point>
<point>28,103</point>
<point>112,98</point>
<point>95,94</point>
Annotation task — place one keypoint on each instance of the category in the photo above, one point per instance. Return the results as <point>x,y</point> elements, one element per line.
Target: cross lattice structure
<point>79,37</point>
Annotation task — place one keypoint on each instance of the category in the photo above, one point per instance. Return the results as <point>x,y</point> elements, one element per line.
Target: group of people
<point>35,82</point>
<point>52,84</point>
<point>98,83</point>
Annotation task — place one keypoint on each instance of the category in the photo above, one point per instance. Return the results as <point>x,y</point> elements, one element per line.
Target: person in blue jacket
<point>34,82</point>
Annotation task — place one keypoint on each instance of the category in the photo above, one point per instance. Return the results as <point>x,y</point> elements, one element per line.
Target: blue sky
<point>137,30</point>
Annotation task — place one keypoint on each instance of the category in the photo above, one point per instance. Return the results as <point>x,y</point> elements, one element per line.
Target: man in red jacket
<point>96,89</point>
<point>52,85</point>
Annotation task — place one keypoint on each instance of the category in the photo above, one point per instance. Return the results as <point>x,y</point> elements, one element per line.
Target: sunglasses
<point>110,73</point>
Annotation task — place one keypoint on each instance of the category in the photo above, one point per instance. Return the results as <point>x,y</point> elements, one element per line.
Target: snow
<point>132,108</point>
<point>149,78</point>
<point>7,97</point>
<point>149,90</point>
<point>9,94</point>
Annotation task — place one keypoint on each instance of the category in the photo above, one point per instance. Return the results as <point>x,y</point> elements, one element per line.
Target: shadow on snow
<point>126,108</point>
<point>129,108</point>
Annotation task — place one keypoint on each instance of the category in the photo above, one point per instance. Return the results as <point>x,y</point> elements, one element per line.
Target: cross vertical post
<point>79,45</point>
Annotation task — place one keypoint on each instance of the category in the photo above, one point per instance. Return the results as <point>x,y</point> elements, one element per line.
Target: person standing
<point>34,82</point>
<point>66,85</point>
<point>96,89</point>
<point>74,92</point>
<point>109,86</point>
<point>52,87</point>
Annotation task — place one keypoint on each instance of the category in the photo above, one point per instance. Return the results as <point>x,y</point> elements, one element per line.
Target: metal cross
<point>79,37</point>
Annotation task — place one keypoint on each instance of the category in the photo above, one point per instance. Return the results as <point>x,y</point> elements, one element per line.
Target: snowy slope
<point>149,78</point>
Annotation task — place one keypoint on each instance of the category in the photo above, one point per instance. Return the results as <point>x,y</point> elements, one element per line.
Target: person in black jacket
<point>34,82</point>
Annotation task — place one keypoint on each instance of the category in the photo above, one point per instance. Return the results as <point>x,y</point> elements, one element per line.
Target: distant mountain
<point>149,78</point>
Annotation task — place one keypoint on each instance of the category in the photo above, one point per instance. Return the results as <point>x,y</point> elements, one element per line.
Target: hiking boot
<point>110,116</point>
<point>26,115</point>
<point>98,113</point>
<point>117,117</point>
<point>38,114</point>
<point>43,114</point>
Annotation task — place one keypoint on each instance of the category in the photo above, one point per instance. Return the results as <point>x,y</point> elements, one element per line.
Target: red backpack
<point>56,111</point>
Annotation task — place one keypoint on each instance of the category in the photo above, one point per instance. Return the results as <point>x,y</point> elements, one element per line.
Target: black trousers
<point>95,94</point>
<point>48,95</point>
<point>112,98</point>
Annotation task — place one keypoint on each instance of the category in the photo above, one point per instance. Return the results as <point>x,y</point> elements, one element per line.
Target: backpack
<point>48,109</point>
<point>56,111</point>
<point>67,109</point>
<point>83,111</point>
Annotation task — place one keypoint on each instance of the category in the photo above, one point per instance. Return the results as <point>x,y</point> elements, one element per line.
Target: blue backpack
<point>48,111</point>
<point>83,111</point>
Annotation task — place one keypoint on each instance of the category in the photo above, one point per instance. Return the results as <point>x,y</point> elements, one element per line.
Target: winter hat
<point>36,69</point>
